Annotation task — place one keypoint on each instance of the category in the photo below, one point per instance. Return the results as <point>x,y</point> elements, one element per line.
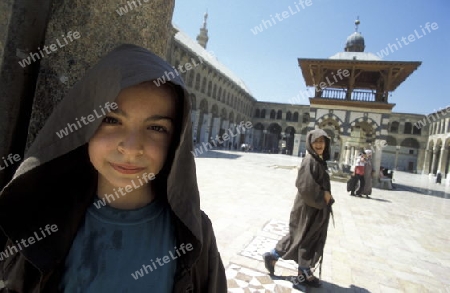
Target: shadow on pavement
<point>219,155</point>
<point>379,199</point>
<point>326,286</point>
<point>437,193</point>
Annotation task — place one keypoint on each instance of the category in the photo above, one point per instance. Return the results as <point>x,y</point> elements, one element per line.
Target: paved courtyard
<point>398,241</point>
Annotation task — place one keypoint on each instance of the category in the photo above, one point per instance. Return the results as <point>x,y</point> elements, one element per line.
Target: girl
<point>310,214</point>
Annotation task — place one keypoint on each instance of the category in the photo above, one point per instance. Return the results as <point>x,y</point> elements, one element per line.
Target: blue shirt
<point>122,251</point>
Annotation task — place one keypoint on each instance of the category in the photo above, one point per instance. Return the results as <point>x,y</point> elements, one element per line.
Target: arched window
<point>417,130</point>
<point>203,84</point>
<point>279,114</point>
<point>197,81</point>
<point>394,127</point>
<point>288,116</point>
<point>295,119</point>
<point>219,95</point>
<point>263,113</point>
<point>214,94</point>
<point>190,79</point>
<point>209,88</point>
<point>272,114</point>
<point>408,128</point>
<point>305,118</point>
<point>256,113</point>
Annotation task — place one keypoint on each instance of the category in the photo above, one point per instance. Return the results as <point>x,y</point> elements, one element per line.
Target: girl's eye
<point>158,128</point>
<point>110,120</point>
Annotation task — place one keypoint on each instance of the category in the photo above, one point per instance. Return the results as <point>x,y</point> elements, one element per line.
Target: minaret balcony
<point>360,96</point>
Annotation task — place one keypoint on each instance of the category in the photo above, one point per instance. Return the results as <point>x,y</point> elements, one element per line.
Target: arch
<point>190,79</point>
<point>295,117</point>
<point>279,114</point>
<point>394,127</point>
<point>263,113</point>
<point>193,102</point>
<point>290,137</point>
<point>273,137</point>
<point>417,130</point>
<point>288,116</point>
<point>256,113</point>
<point>366,131</point>
<point>238,119</point>
<point>215,111</point>
<point>223,114</point>
<point>304,131</point>
<point>197,81</point>
<point>329,123</point>
<point>214,93</point>
<point>203,85</point>
<point>272,114</point>
<point>219,94</point>
<point>224,96</point>
<point>204,105</point>
<point>231,117</point>
<point>391,141</point>
<point>209,88</point>
<point>410,143</point>
<point>259,126</point>
<point>305,118</point>
<point>408,128</point>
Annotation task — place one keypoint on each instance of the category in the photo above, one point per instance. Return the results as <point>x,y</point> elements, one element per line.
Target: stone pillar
<point>195,114</point>
<point>22,28</point>
<point>29,93</point>
<point>443,160</point>
<point>347,155</point>
<point>426,165</point>
<point>376,159</point>
<point>421,156</point>
<point>435,160</point>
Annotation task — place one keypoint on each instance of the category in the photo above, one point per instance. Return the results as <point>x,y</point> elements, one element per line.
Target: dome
<point>355,43</point>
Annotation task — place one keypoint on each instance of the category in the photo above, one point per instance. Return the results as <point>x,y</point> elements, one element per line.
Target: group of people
<point>362,174</point>
<point>95,249</point>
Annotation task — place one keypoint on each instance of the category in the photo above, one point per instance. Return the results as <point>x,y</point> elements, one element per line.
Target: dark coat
<point>368,171</point>
<point>56,183</point>
<point>308,223</point>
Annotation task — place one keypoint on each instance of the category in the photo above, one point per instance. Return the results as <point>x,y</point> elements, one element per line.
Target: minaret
<point>202,38</point>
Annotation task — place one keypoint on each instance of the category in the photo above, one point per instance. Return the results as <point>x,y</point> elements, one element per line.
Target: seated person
<point>385,180</point>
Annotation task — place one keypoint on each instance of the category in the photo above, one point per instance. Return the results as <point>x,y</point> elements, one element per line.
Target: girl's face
<point>133,141</point>
<point>319,145</point>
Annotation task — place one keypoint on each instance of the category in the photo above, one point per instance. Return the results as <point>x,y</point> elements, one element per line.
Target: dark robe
<point>310,214</point>
<point>56,183</point>
<point>368,177</point>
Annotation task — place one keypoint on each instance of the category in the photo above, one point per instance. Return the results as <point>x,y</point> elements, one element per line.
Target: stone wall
<point>82,31</point>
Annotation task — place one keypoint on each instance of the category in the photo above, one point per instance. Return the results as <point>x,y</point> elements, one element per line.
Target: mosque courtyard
<point>398,241</point>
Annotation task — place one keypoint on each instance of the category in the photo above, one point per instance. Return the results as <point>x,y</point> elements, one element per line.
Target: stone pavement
<point>398,241</point>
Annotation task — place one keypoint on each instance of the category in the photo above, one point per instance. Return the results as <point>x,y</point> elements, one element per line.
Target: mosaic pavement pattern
<point>242,279</point>
<point>273,231</point>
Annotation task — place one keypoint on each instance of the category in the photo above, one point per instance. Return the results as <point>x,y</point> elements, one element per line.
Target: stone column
<point>426,165</point>
<point>30,92</point>
<point>347,155</point>
<point>22,28</point>
<point>435,157</point>
<point>376,159</point>
<point>420,161</point>
<point>443,160</point>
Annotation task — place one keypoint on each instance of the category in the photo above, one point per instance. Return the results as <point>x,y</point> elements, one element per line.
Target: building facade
<point>350,102</point>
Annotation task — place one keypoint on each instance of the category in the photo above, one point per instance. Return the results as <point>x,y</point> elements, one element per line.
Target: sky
<point>266,61</point>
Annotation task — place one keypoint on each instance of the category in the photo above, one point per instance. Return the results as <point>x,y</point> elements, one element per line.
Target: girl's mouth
<point>126,169</point>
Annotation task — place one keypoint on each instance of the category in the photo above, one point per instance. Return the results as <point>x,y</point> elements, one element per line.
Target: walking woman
<point>310,214</point>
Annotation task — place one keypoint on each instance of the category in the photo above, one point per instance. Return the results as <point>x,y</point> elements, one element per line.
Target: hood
<point>56,179</point>
<point>312,136</point>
